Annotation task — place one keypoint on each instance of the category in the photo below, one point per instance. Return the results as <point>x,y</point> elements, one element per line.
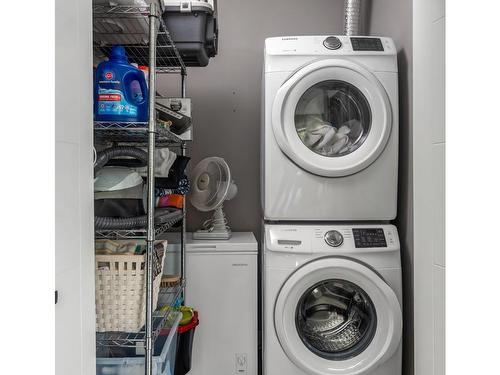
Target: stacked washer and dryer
<point>332,289</point>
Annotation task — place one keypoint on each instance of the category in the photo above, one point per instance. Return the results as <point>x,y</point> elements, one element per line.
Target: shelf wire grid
<point>133,133</point>
<point>129,26</point>
<point>140,233</point>
<point>169,297</point>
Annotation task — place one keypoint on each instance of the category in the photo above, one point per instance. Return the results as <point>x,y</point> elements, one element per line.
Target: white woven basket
<point>120,289</point>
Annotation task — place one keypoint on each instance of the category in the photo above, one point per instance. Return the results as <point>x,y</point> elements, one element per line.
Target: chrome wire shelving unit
<point>129,26</point>
<point>133,133</point>
<point>107,341</point>
<point>142,31</point>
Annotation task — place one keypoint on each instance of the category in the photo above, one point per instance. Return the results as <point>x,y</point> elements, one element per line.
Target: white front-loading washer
<point>330,128</point>
<point>332,297</point>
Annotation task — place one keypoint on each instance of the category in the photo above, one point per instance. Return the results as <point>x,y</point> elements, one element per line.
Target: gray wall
<point>226,102</point>
<point>394,18</point>
<point>226,94</point>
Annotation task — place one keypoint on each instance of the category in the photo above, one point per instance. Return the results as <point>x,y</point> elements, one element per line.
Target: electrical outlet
<point>241,363</point>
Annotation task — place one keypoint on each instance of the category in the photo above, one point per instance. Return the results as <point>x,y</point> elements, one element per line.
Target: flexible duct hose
<point>162,216</point>
<point>104,156</point>
<point>351,13</point>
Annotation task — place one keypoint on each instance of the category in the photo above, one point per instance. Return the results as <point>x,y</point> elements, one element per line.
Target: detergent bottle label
<point>111,100</point>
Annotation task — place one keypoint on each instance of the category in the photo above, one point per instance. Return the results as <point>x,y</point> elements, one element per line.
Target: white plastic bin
<point>163,359</point>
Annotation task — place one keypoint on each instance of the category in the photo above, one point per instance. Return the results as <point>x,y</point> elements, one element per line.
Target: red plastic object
<point>181,329</point>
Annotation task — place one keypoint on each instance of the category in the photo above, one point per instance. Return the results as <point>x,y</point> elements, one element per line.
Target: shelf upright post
<point>183,229</point>
<point>183,237</point>
<point>153,14</point>
<point>183,83</point>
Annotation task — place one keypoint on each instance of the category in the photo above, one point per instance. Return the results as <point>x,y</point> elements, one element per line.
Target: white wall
<point>429,184</point>
<point>393,18</point>
<point>74,257</point>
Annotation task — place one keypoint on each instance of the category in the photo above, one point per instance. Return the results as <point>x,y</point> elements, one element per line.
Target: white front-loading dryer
<point>332,298</point>
<point>330,128</point>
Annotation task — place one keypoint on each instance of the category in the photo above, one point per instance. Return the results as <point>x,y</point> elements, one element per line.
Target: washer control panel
<point>334,238</point>
<point>331,239</point>
<point>369,237</point>
<point>332,42</point>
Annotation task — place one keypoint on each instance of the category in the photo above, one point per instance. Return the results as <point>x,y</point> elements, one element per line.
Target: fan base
<point>212,235</point>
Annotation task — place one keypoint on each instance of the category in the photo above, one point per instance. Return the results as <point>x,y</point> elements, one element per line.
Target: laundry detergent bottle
<point>120,90</point>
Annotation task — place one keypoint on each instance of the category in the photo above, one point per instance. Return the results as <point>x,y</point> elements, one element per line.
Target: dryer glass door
<point>337,316</point>
<point>332,117</point>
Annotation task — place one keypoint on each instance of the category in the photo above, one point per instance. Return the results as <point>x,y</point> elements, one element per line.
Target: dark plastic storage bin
<point>185,346</point>
<point>185,338</point>
<point>193,28</point>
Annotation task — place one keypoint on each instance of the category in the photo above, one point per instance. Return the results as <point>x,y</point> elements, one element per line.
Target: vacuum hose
<point>162,216</point>
<point>105,156</point>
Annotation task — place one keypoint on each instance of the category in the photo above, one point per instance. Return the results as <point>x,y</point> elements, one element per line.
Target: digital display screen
<point>367,44</point>
<point>369,237</point>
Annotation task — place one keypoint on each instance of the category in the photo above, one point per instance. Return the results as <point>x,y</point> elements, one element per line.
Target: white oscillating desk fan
<point>211,186</point>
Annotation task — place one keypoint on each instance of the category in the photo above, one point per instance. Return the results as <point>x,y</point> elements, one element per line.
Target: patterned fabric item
<point>170,200</point>
<point>182,188</point>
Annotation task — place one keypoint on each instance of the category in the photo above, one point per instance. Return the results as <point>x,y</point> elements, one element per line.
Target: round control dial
<point>332,42</point>
<point>334,238</point>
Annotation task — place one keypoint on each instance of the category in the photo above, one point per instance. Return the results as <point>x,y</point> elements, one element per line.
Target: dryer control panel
<point>328,45</point>
<point>366,44</point>
<point>357,43</point>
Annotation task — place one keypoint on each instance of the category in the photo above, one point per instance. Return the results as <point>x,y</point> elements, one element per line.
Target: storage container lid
<point>239,242</point>
<point>187,6</point>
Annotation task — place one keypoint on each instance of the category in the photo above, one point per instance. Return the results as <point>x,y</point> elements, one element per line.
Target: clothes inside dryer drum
<point>333,118</point>
<point>336,319</point>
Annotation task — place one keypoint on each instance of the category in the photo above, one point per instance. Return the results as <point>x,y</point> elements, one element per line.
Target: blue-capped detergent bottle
<point>120,90</point>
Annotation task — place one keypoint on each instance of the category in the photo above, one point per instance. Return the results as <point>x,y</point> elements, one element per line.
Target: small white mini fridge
<point>222,286</point>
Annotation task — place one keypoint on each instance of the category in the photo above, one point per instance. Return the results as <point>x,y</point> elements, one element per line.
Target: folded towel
<point>164,160</point>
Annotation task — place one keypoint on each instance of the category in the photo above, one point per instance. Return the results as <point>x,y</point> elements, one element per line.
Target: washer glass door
<point>337,316</point>
<point>332,117</point>
<point>336,319</point>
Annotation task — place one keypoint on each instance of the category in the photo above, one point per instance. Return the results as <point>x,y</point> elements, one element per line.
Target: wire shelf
<point>132,132</point>
<point>168,297</point>
<point>140,233</point>
<point>129,27</point>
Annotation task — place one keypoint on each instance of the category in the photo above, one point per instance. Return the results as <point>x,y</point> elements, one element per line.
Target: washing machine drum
<point>336,319</point>
<point>337,316</point>
<point>332,117</point>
